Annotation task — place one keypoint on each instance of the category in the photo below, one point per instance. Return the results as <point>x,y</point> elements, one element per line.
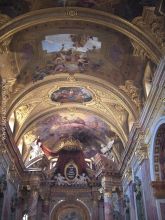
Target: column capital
<point>108,194</point>
<point>142,152</point>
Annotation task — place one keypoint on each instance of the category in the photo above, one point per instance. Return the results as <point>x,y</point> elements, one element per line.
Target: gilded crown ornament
<point>69,143</point>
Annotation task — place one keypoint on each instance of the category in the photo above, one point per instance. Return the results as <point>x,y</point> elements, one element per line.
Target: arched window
<point>148,73</point>
<point>12,121</point>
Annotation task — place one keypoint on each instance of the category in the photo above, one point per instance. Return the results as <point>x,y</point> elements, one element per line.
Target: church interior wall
<point>81,125</point>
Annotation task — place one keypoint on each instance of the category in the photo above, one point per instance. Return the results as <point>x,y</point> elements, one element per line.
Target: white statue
<point>36,149</point>
<point>60,180</point>
<point>107,148</point>
<point>82,179</point>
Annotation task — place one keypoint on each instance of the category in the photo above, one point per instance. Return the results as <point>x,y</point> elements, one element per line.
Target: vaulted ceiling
<point>68,76</point>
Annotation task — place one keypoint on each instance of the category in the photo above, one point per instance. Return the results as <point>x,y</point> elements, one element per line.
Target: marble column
<point>33,202</point>
<point>101,209</point>
<point>95,210</point>
<point>45,209</point>
<point>107,190</point>
<point>108,212</point>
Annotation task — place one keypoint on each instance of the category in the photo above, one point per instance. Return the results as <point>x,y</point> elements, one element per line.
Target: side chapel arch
<point>65,208</point>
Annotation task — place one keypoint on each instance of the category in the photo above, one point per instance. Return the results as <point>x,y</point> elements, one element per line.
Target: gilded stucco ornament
<point>128,174</point>
<point>142,152</point>
<point>9,87</point>
<point>4,44</point>
<point>23,112</point>
<point>139,51</point>
<point>152,25</point>
<point>71,78</point>
<point>133,92</point>
<point>29,138</point>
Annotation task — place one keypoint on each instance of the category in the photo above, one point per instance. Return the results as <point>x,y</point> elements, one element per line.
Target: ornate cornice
<point>89,15</point>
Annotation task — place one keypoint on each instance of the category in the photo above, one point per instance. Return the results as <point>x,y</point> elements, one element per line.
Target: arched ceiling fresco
<point>88,128</point>
<point>97,51</point>
<point>75,78</point>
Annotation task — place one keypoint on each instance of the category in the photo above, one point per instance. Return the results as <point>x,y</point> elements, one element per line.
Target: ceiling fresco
<point>71,94</point>
<point>89,129</point>
<point>66,49</point>
<point>107,55</point>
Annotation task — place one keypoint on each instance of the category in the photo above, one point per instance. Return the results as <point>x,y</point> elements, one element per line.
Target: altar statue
<point>60,180</point>
<point>107,148</point>
<point>36,149</point>
<point>82,179</point>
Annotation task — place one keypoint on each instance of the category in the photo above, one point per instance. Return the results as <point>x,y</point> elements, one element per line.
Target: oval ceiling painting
<point>71,94</point>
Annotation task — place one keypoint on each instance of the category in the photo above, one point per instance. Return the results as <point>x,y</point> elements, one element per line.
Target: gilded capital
<point>128,174</point>
<point>142,152</point>
<point>108,194</point>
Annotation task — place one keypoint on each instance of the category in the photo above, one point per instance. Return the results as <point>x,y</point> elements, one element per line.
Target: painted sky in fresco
<point>89,129</point>
<point>56,43</point>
